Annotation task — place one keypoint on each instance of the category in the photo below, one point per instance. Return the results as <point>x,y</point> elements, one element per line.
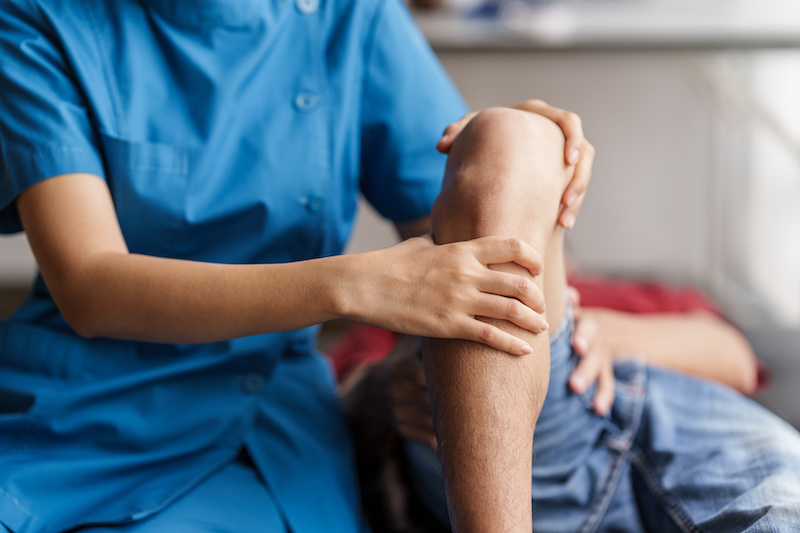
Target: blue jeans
<point>675,454</point>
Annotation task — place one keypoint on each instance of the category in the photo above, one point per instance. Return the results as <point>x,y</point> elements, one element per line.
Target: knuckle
<point>573,118</point>
<point>515,245</point>
<point>486,334</point>
<point>513,309</point>
<point>461,274</point>
<point>536,102</point>
<point>523,286</point>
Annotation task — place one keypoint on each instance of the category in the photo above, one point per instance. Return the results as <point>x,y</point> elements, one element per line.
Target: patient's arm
<point>699,344</point>
<point>506,176</point>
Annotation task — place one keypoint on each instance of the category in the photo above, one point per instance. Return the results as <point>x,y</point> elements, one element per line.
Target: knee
<point>502,158</point>
<point>506,124</point>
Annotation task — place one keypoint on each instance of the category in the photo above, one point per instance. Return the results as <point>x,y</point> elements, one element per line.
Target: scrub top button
<point>307,7</point>
<point>252,383</point>
<point>315,203</point>
<point>306,101</point>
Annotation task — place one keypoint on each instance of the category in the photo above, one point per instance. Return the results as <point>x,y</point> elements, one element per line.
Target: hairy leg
<point>505,176</point>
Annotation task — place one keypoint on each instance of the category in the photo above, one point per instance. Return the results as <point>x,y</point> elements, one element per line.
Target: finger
<point>572,126</point>
<point>574,298</point>
<point>569,122</point>
<point>511,285</point>
<point>419,375</point>
<point>416,422</point>
<point>576,190</point>
<point>569,214</point>
<point>410,396</point>
<point>581,177</point>
<point>494,337</point>
<point>414,415</point>
<point>410,372</point>
<point>452,131</point>
<point>583,340</point>
<point>512,310</point>
<point>604,396</point>
<point>587,372</point>
<point>498,250</point>
<point>421,436</point>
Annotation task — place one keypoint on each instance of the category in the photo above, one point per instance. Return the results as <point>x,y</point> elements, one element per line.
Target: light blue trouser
<point>675,454</point>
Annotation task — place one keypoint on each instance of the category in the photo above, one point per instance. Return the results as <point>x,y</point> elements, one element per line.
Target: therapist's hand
<point>596,357</point>
<point>442,291</point>
<point>578,152</point>
<point>390,397</point>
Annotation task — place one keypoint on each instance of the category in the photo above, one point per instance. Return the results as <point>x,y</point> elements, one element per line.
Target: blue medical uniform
<point>229,131</point>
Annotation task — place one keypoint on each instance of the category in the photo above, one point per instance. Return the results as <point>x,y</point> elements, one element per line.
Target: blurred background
<point>694,108</point>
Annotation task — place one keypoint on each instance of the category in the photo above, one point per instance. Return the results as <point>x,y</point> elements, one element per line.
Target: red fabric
<point>361,344</point>
<point>641,297</point>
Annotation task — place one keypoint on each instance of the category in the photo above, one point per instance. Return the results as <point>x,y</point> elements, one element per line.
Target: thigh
<point>715,460</point>
<point>234,500</point>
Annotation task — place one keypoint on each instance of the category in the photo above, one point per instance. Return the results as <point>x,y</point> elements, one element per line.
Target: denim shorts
<point>675,454</point>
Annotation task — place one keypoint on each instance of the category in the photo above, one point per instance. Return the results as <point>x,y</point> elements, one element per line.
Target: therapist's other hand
<point>408,399</point>
<point>578,152</point>
<point>442,291</point>
<point>390,397</point>
<point>596,358</point>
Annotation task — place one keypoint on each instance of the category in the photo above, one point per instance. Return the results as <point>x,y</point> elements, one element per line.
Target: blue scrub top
<point>230,131</point>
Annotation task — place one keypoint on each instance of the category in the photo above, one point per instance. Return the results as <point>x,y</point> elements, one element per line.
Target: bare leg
<point>505,176</point>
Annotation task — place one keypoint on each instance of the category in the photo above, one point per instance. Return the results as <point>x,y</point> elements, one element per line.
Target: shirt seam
<point>24,160</point>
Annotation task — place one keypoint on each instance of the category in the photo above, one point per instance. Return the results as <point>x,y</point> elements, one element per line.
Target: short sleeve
<point>45,129</point>
<point>408,101</point>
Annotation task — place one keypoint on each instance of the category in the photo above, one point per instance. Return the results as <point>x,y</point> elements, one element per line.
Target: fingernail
<point>526,349</point>
<point>568,220</point>
<point>578,383</point>
<point>574,155</point>
<point>545,325</point>
<point>602,408</point>
<point>580,344</point>
<point>571,199</point>
<point>543,308</point>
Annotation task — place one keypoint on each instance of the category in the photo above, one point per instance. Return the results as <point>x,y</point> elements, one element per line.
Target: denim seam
<point>622,445</point>
<point>636,391</point>
<point>602,500</point>
<point>673,509</point>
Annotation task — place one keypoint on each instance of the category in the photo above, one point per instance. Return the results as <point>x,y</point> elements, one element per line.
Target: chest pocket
<point>148,182</point>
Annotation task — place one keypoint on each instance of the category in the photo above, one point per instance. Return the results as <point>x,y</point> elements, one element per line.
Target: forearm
<point>154,299</point>
<point>697,344</point>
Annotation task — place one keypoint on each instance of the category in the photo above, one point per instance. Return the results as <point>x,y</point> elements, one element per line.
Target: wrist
<point>345,287</point>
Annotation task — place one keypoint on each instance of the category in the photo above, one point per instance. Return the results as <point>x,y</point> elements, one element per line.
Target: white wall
<point>16,261</point>
<point>690,183</point>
